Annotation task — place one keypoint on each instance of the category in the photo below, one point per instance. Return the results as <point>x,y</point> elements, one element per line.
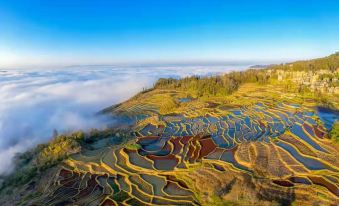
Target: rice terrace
<point>263,140</point>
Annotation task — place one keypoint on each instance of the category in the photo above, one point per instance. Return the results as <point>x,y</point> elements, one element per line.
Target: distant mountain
<point>259,66</point>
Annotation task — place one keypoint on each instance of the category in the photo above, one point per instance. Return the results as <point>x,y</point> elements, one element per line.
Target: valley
<point>265,143</point>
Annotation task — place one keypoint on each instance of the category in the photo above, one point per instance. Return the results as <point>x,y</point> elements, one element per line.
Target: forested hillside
<point>214,85</point>
<point>228,83</point>
<point>327,63</point>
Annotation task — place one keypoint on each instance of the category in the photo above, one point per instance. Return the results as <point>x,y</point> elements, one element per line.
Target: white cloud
<point>34,102</point>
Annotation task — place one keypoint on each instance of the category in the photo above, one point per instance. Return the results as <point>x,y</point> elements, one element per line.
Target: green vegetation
<point>34,162</point>
<point>58,149</point>
<point>213,86</point>
<point>332,78</point>
<point>31,196</point>
<point>327,63</point>
<point>116,137</point>
<point>121,196</point>
<point>329,76</point>
<point>168,106</point>
<point>44,156</point>
<point>334,134</point>
<point>228,83</point>
<point>132,146</point>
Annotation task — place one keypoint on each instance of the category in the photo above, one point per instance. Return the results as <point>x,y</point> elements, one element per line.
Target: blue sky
<point>68,32</point>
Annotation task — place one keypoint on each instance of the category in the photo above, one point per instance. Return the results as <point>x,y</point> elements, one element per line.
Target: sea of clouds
<point>34,102</point>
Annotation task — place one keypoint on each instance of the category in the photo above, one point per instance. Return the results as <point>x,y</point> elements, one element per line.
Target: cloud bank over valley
<point>35,102</point>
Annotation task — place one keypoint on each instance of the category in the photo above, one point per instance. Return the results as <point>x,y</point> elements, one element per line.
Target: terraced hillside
<point>259,142</point>
<point>258,146</point>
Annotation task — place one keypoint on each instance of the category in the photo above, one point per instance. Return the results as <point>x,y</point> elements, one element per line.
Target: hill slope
<point>244,138</point>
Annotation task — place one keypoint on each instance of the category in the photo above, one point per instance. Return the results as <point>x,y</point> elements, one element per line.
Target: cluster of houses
<point>324,81</point>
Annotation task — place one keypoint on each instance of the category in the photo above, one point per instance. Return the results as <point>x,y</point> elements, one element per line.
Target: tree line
<point>213,85</point>
<point>327,63</point>
<point>228,83</point>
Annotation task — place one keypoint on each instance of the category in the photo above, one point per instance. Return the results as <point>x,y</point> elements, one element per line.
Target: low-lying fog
<point>35,102</point>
